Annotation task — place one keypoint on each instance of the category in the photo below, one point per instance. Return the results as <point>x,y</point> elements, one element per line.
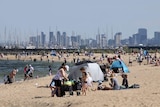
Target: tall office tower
<point>51,38</point>
<point>43,39</point>
<point>98,39</point>
<point>64,40</point>
<point>83,42</point>
<point>142,32</point>
<point>58,38</point>
<point>33,40</point>
<point>103,41</point>
<point>156,38</point>
<point>68,41</point>
<point>136,39</point>
<point>92,43</point>
<point>74,41</point>
<point>130,40</point>
<point>117,39</point>
<point>79,40</point>
<point>38,41</point>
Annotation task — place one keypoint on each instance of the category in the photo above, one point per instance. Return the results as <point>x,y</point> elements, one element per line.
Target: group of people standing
<point>28,72</point>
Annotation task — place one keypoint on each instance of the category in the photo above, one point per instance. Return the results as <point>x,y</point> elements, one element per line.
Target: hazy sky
<point>81,16</point>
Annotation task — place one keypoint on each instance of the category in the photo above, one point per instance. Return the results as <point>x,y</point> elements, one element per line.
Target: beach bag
<point>135,86</point>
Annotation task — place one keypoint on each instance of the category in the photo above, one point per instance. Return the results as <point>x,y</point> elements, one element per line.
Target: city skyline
<point>60,40</point>
<point>26,18</point>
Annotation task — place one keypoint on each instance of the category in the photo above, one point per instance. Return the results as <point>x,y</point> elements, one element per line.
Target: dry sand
<point>27,94</point>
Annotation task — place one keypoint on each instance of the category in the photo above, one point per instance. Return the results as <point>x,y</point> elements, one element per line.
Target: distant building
<point>79,40</point>
<point>157,38</point>
<point>64,40</point>
<point>51,38</point>
<point>38,41</point>
<point>111,42</point>
<point>134,40</point>
<point>58,38</point>
<point>98,40</point>
<point>43,39</point>
<point>142,33</point>
<point>74,41</point>
<point>103,42</point>
<point>33,40</point>
<point>117,39</point>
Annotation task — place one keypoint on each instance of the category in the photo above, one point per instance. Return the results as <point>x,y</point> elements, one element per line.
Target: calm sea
<point>40,67</point>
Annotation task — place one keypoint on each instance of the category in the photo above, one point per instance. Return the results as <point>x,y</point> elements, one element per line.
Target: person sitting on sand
<point>124,81</point>
<point>11,76</point>
<point>113,85</point>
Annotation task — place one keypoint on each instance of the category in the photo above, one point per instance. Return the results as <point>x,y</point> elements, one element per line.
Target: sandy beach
<point>34,93</point>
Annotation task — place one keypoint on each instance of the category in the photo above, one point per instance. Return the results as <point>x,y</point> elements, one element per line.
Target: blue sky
<point>84,17</point>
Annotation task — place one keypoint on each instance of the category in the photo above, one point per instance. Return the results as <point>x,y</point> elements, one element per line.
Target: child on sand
<point>84,83</point>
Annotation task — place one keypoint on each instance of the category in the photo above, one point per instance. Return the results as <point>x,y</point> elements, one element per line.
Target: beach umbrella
<point>119,64</point>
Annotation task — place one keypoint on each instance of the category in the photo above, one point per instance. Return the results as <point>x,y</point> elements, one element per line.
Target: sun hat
<point>67,67</point>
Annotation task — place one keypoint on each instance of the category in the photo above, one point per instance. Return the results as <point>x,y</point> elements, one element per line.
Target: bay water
<point>41,68</point>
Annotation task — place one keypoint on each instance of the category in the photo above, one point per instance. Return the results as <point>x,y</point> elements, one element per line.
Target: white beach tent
<point>92,68</point>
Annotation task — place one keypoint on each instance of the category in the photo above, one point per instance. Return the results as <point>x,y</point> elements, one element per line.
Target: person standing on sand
<point>86,80</point>
<point>25,71</point>
<point>84,83</point>
<point>29,73</point>
<point>58,78</point>
<point>50,70</point>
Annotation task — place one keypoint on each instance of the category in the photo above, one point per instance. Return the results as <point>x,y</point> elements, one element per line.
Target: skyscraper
<point>103,41</point>
<point>43,39</point>
<point>157,38</point>
<point>79,39</point>
<point>64,39</point>
<point>98,39</point>
<point>142,32</point>
<point>117,39</point>
<point>51,38</point>
<point>38,41</point>
<point>58,38</point>
<point>74,41</point>
<point>33,40</point>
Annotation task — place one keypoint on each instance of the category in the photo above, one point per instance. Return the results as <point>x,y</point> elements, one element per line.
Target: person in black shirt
<point>125,80</point>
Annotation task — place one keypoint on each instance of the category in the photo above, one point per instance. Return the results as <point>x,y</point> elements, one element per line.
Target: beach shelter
<point>92,68</point>
<point>119,64</point>
<point>53,53</point>
<point>145,52</point>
